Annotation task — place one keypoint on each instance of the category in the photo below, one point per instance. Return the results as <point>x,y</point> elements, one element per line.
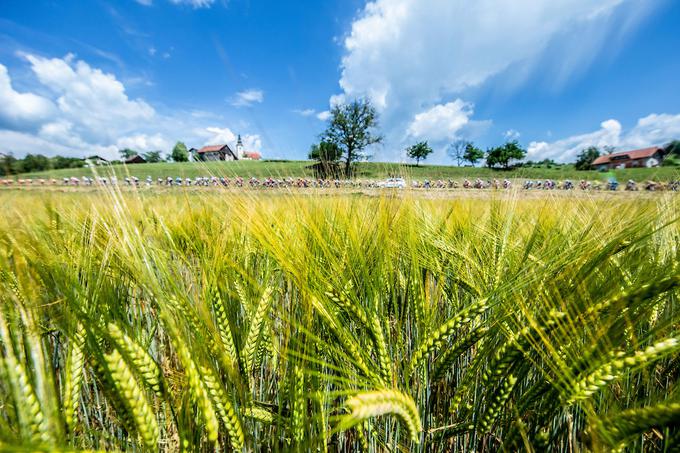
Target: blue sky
<point>84,77</point>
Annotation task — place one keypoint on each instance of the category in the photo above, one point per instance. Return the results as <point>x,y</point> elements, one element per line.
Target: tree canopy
<point>419,151</point>
<point>180,153</point>
<point>325,151</point>
<point>585,158</point>
<point>352,128</point>
<point>10,165</point>
<point>673,148</point>
<point>472,154</point>
<point>502,155</point>
<point>153,156</point>
<point>127,153</point>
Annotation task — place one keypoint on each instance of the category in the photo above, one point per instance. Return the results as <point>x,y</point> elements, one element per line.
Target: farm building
<point>646,157</point>
<point>92,161</point>
<point>136,159</point>
<point>251,155</point>
<point>216,152</point>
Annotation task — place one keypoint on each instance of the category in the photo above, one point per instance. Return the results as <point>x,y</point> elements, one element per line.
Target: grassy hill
<point>365,170</point>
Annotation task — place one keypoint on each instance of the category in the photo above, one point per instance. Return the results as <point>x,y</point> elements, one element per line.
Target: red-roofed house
<point>647,157</point>
<point>251,155</point>
<point>216,152</point>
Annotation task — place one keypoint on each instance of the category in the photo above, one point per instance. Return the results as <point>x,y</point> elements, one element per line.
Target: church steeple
<point>239,147</point>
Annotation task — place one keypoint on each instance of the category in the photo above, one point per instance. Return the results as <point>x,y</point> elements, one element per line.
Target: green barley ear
<point>241,293</point>
<point>143,363</point>
<point>519,344</point>
<point>620,362</point>
<point>618,428</point>
<point>444,363</point>
<point>630,297</point>
<point>342,301</point>
<point>226,337</point>
<point>134,399</point>
<point>33,425</point>
<point>437,338</point>
<point>224,408</point>
<point>416,300</point>
<point>259,414</point>
<point>257,321</point>
<point>188,313</point>
<point>361,436</point>
<point>196,385</point>
<point>503,360</point>
<point>496,404</point>
<point>73,375</point>
<point>366,405</point>
<point>381,349</point>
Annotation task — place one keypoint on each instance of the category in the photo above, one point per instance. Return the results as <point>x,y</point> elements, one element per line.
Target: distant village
<point>205,154</point>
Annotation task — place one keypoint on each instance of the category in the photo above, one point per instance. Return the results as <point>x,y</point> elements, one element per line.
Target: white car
<point>393,183</point>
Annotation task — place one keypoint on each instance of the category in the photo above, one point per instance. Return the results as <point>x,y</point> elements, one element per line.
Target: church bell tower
<point>239,148</point>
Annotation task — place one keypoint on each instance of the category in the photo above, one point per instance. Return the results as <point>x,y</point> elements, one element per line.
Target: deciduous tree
<point>673,148</point>
<point>456,151</point>
<point>352,128</point>
<point>153,156</point>
<point>180,152</point>
<point>472,154</point>
<point>502,155</point>
<point>419,151</point>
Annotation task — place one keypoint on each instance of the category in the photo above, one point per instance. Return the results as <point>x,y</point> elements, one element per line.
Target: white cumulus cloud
<point>511,134</point>
<point>21,108</point>
<point>412,56</point>
<point>442,121</point>
<point>82,110</point>
<point>144,142</point>
<point>93,101</point>
<point>305,112</point>
<point>247,98</point>
<point>324,116</point>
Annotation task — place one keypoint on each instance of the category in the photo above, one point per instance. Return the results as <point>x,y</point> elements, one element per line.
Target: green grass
<point>145,321</point>
<point>368,170</point>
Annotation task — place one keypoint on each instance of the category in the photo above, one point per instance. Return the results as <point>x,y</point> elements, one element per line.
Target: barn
<point>216,152</point>
<point>646,157</point>
<point>136,159</point>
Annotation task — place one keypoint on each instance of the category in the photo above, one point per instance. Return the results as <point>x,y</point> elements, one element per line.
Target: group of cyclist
<point>289,182</point>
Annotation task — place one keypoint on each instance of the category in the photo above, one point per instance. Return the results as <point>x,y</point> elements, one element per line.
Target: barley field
<point>281,322</point>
